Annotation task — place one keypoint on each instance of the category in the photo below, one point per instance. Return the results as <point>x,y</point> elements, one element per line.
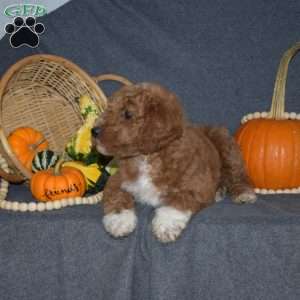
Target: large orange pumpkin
<point>270,141</point>
<point>271,151</point>
<point>57,183</point>
<point>25,143</point>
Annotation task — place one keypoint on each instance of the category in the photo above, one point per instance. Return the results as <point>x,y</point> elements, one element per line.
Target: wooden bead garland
<point>266,115</point>
<point>3,184</point>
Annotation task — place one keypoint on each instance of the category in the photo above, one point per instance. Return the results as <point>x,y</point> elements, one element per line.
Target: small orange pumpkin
<point>25,143</point>
<point>58,183</point>
<point>270,141</point>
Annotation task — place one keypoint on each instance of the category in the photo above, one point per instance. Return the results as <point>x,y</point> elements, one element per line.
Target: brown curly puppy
<point>164,161</point>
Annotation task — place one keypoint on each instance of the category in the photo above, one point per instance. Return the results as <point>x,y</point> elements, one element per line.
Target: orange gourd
<point>58,183</point>
<point>270,141</point>
<point>25,143</point>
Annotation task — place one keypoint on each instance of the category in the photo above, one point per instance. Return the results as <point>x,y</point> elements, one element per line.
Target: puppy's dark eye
<point>127,115</point>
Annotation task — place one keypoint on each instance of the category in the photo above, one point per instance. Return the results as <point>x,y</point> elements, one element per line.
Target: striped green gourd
<point>44,160</point>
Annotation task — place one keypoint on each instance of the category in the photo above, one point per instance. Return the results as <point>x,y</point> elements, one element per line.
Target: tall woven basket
<point>270,141</point>
<point>39,91</point>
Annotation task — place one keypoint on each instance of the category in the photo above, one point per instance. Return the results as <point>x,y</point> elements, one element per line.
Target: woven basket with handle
<point>270,141</point>
<point>39,91</point>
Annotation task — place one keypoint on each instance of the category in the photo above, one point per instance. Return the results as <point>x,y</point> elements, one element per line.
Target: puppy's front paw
<point>169,222</point>
<point>120,224</point>
<point>245,197</point>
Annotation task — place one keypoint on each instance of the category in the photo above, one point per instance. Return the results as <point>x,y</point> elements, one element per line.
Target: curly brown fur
<point>164,161</point>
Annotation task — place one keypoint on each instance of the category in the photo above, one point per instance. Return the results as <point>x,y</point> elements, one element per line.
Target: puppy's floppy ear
<point>163,121</point>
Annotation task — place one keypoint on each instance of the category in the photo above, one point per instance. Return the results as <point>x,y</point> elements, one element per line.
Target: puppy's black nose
<point>96,131</point>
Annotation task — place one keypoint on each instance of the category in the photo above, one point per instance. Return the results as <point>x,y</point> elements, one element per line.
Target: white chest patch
<point>143,189</point>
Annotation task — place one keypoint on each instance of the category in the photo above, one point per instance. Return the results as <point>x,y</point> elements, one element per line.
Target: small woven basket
<point>39,91</point>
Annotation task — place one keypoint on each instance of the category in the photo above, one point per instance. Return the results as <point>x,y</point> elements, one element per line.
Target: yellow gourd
<point>91,172</point>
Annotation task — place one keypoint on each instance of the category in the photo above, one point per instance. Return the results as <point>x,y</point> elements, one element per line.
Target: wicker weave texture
<point>40,91</point>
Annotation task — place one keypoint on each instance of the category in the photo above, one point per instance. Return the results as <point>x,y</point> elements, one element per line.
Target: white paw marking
<point>247,197</point>
<point>143,189</point>
<point>120,224</point>
<point>169,222</point>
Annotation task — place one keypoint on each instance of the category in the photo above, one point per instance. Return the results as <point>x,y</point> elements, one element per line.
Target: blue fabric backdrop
<point>221,58</point>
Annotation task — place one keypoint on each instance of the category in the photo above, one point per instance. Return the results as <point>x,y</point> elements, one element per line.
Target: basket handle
<point>111,77</point>
<point>278,100</point>
<point>11,177</point>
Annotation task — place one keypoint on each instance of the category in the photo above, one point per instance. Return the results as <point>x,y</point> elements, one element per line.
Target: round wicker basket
<point>39,91</point>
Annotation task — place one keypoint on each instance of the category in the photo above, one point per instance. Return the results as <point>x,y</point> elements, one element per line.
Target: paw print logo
<point>24,32</point>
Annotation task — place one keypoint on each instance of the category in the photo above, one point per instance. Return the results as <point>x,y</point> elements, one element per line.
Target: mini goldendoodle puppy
<point>164,161</point>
